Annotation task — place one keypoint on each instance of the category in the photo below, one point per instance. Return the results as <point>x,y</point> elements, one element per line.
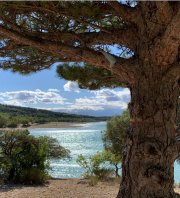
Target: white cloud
<point>101,102</point>
<point>71,86</point>
<point>103,99</point>
<point>87,103</point>
<point>53,90</point>
<point>26,97</point>
<point>111,95</point>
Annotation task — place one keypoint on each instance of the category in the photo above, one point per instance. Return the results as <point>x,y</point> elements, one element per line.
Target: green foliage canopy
<point>95,165</point>
<point>24,158</point>
<point>114,135</point>
<point>88,77</point>
<point>34,35</point>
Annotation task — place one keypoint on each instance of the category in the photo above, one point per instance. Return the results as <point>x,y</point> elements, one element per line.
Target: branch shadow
<point>11,186</point>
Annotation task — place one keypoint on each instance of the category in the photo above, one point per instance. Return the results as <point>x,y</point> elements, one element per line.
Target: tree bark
<point>148,162</point>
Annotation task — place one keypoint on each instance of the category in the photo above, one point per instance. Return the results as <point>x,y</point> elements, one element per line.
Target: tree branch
<point>43,45</point>
<point>123,67</point>
<point>54,9</point>
<point>10,47</point>
<point>131,14</point>
<point>126,70</point>
<point>126,37</point>
<point>88,76</point>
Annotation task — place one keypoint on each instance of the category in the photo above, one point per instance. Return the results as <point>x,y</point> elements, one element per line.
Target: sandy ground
<point>48,125</point>
<point>66,188</point>
<point>57,125</point>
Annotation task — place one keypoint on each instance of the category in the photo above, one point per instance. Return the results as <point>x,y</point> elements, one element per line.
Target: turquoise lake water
<point>86,140</point>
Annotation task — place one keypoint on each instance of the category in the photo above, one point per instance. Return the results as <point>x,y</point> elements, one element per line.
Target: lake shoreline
<point>48,125</point>
<point>57,125</point>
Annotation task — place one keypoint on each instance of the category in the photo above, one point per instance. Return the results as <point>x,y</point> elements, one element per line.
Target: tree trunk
<point>11,174</point>
<point>117,170</point>
<point>148,162</point>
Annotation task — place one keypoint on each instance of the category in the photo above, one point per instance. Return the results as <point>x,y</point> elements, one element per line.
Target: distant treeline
<point>12,116</point>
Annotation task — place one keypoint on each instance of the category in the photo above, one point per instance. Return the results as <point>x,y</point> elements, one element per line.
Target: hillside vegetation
<point>12,116</point>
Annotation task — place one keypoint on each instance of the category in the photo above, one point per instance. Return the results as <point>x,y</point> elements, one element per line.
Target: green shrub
<point>24,158</point>
<point>93,180</point>
<point>3,121</point>
<point>104,173</point>
<point>13,123</point>
<point>95,166</point>
<point>24,122</point>
<point>33,176</point>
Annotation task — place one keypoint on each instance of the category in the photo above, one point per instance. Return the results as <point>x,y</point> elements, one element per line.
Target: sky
<point>45,90</point>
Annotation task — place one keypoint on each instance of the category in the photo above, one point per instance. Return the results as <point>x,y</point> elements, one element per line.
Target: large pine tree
<point>146,36</point>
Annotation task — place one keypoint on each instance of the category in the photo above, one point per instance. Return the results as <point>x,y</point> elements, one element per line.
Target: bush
<point>3,121</point>
<point>95,166</point>
<point>93,180</point>
<point>24,158</point>
<point>104,173</point>
<point>12,123</point>
<point>24,122</point>
<point>33,176</point>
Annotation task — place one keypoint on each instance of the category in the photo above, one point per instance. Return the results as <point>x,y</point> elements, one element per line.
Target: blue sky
<point>46,90</point>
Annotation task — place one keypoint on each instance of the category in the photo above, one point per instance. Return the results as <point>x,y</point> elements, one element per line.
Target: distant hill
<point>24,115</point>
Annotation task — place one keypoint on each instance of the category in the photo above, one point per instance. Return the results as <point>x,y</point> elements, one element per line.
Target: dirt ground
<point>65,188</point>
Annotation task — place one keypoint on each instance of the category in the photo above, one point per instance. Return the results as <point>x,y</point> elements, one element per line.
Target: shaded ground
<point>66,188</point>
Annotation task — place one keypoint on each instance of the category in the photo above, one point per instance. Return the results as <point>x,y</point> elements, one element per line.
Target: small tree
<point>24,158</point>
<point>86,164</point>
<point>114,135</point>
<point>95,165</point>
<point>113,160</point>
<point>113,140</point>
<point>107,160</point>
